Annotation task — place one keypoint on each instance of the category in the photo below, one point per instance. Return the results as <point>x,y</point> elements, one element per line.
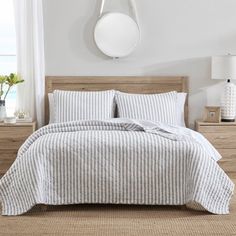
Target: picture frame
<point>212,114</point>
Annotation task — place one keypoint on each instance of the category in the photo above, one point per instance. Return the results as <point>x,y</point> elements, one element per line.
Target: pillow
<point>153,107</point>
<point>51,108</point>
<point>71,105</point>
<point>181,99</point>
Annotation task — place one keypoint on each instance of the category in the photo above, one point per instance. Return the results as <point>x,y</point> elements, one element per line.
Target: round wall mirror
<point>116,34</point>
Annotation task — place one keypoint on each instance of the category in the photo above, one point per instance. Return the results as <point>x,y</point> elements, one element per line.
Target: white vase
<point>228,103</point>
<point>2,110</point>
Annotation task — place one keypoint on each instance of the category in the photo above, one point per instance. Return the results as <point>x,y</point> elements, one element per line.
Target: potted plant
<point>9,81</point>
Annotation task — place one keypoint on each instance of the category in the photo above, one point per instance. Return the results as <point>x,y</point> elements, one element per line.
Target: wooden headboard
<point>130,84</point>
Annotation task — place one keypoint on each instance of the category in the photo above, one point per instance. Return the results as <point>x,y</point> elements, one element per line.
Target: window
<point>8,48</point>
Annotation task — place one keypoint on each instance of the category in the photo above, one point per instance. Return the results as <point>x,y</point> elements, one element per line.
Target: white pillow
<point>51,108</point>
<point>181,99</point>
<point>72,105</point>
<point>153,107</point>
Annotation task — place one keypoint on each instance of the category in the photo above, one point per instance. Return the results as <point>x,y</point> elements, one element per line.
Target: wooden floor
<point>119,220</point>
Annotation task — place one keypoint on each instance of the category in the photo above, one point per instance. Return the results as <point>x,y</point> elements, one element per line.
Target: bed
<point>115,161</point>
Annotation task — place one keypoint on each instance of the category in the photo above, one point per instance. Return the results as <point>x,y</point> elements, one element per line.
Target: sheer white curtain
<point>30,57</point>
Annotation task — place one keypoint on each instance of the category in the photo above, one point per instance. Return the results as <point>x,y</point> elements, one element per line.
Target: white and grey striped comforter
<point>118,162</point>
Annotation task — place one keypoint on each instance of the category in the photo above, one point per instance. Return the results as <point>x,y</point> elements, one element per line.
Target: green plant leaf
<point>12,80</point>
<point>3,79</point>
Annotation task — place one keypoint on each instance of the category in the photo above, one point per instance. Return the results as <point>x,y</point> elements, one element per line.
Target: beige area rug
<point>119,220</point>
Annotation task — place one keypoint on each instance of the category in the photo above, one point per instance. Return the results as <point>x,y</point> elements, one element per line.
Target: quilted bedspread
<point>115,162</point>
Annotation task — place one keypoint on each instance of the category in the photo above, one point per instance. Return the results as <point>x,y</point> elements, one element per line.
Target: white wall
<point>178,38</point>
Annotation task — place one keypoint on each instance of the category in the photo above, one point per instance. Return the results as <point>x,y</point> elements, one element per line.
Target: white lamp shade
<point>223,67</point>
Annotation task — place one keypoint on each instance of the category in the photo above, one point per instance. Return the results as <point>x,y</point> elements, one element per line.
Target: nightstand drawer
<point>216,129</point>
<point>13,137</point>
<point>7,157</point>
<point>223,137</point>
<point>222,140</point>
<point>228,161</point>
<point>11,143</point>
<point>16,131</point>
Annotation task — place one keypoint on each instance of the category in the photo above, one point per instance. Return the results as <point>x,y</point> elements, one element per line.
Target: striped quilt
<point>115,162</point>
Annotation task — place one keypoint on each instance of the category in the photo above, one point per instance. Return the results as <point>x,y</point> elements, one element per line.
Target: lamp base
<point>228,103</point>
<point>228,120</point>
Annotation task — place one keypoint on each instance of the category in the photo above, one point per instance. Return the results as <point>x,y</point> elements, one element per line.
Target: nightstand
<point>223,137</point>
<point>12,136</point>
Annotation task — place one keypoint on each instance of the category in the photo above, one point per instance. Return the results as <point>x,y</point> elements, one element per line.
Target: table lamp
<point>224,68</point>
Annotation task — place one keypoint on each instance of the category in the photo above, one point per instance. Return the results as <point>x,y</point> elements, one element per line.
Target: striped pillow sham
<point>154,107</point>
<point>73,105</point>
<point>181,100</point>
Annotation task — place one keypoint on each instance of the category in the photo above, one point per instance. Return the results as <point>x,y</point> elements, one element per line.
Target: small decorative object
<point>2,110</point>
<point>22,116</point>
<point>224,67</point>
<point>117,34</point>
<point>9,81</point>
<point>2,102</point>
<point>10,120</point>
<point>212,114</point>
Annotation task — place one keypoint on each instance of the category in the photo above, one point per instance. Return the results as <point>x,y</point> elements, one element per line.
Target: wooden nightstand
<point>12,136</point>
<point>223,137</point>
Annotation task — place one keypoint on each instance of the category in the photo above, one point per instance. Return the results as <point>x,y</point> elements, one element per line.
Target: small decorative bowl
<point>10,120</point>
